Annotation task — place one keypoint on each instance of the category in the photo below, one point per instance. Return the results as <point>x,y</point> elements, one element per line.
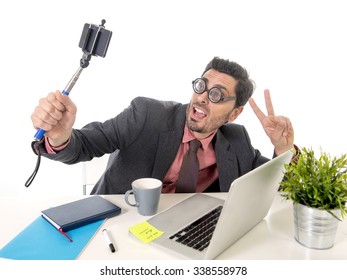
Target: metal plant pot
<point>315,228</point>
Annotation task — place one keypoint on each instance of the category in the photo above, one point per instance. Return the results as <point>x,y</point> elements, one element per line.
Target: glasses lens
<point>199,85</point>
<point>215,95</point>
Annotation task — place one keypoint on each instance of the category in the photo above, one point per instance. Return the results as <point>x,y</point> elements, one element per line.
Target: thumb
<point>66,101</point>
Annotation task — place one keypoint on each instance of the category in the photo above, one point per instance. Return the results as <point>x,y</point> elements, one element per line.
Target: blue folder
<point>42,241</point>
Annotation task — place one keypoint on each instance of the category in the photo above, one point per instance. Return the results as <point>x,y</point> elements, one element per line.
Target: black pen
<point>109,241</point>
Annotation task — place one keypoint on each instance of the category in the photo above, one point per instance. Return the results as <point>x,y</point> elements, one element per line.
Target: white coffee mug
<point>146,193</point>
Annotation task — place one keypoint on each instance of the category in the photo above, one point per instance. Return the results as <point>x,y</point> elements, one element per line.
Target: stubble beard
<point>210,126</point>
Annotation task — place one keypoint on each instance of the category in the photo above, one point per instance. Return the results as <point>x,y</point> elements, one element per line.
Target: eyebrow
<point>217,86</point>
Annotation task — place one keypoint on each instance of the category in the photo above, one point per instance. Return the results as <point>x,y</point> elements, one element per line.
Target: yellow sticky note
<point>145,232</point>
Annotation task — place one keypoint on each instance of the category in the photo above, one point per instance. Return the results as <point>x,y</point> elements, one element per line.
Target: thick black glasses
<point>215,94</point>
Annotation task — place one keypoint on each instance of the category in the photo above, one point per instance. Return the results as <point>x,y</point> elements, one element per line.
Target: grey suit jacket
<point>143,141</point>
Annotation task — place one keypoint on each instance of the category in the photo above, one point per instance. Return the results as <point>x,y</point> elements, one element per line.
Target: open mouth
<point>199,113</point>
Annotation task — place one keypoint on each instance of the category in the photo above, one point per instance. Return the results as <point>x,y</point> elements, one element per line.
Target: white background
<point>297,49</point>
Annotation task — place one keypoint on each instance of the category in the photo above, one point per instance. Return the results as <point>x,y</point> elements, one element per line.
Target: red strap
<point>63,233</point>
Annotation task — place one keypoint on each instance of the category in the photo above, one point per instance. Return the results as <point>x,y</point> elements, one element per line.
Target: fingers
<point>285,140</point>
<point>260,115</point>
<point>52,106</point>
<point>269,107</point>
<point>281,124</point>
<point>65,101</point>
<point>47,113</point>
<point>54,99</point>
<point>289,130</point>
<point>278,128</point>
<point>51,110</point>
<point>268,103</point>
<point>41,118</point>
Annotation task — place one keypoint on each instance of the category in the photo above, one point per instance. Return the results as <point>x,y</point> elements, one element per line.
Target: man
<point>150,138</point>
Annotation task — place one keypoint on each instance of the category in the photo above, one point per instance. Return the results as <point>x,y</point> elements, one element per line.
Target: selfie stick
<point>84,62</point>
<point>90,45</point>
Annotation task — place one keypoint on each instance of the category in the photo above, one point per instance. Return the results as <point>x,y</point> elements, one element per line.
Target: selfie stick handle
<point>40,132</point>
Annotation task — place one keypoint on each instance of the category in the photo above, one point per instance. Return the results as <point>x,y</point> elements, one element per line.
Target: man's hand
<point>55,114</point>
<point>278,128</point>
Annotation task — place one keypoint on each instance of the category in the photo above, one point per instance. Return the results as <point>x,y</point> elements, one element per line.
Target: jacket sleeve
<point>98,138</point>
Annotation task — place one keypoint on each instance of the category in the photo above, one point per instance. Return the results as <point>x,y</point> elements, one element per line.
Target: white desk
<point>271,239</point>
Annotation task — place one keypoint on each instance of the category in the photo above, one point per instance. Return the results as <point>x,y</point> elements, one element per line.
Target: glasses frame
<point>209,91</point>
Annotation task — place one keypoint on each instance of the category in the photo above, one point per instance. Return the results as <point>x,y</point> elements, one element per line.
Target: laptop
<point>248,202</point>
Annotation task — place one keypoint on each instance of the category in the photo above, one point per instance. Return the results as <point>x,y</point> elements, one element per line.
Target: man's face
<point>204,116</point>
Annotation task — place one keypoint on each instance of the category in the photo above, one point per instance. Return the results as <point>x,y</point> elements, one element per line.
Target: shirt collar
<point>188,136</point>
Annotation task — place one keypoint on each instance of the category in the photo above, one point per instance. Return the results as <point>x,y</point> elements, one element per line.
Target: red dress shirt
<point>207,163</point>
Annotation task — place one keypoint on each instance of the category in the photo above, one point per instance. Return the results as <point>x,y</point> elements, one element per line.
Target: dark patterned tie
<point>188,176</point>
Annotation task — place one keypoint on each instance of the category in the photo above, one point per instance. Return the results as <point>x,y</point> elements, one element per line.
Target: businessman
<point>151,138</point>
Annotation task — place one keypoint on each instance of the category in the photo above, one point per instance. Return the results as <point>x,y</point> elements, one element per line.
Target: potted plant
<point>318,188</point>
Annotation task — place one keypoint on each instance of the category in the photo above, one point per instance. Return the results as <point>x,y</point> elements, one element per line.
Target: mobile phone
<point>95,39</point>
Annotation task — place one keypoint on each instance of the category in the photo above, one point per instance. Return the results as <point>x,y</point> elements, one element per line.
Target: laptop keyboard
<point>198,234</point>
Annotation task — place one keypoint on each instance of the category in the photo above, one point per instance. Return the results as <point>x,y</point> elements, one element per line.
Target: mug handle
<point>129,192</point>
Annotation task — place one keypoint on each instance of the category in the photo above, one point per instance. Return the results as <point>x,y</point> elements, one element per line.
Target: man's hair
<point>244,87</point>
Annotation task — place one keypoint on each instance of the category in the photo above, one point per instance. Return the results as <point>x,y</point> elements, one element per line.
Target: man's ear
<point>235,113</point>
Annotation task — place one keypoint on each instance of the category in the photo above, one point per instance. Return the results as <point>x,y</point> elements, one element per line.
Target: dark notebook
<point>78,213</point>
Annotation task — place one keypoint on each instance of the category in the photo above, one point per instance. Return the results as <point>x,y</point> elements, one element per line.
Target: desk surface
<point>271,239</point>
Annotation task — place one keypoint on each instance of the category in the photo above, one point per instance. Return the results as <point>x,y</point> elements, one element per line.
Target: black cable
<point>35,146</point>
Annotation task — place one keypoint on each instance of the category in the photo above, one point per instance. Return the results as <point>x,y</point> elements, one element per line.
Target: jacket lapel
<point>168,144</point>
<point>166,153</point>
<point>227,163</point>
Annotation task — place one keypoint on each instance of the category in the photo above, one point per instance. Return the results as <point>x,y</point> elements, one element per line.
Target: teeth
<point>199,111</point>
